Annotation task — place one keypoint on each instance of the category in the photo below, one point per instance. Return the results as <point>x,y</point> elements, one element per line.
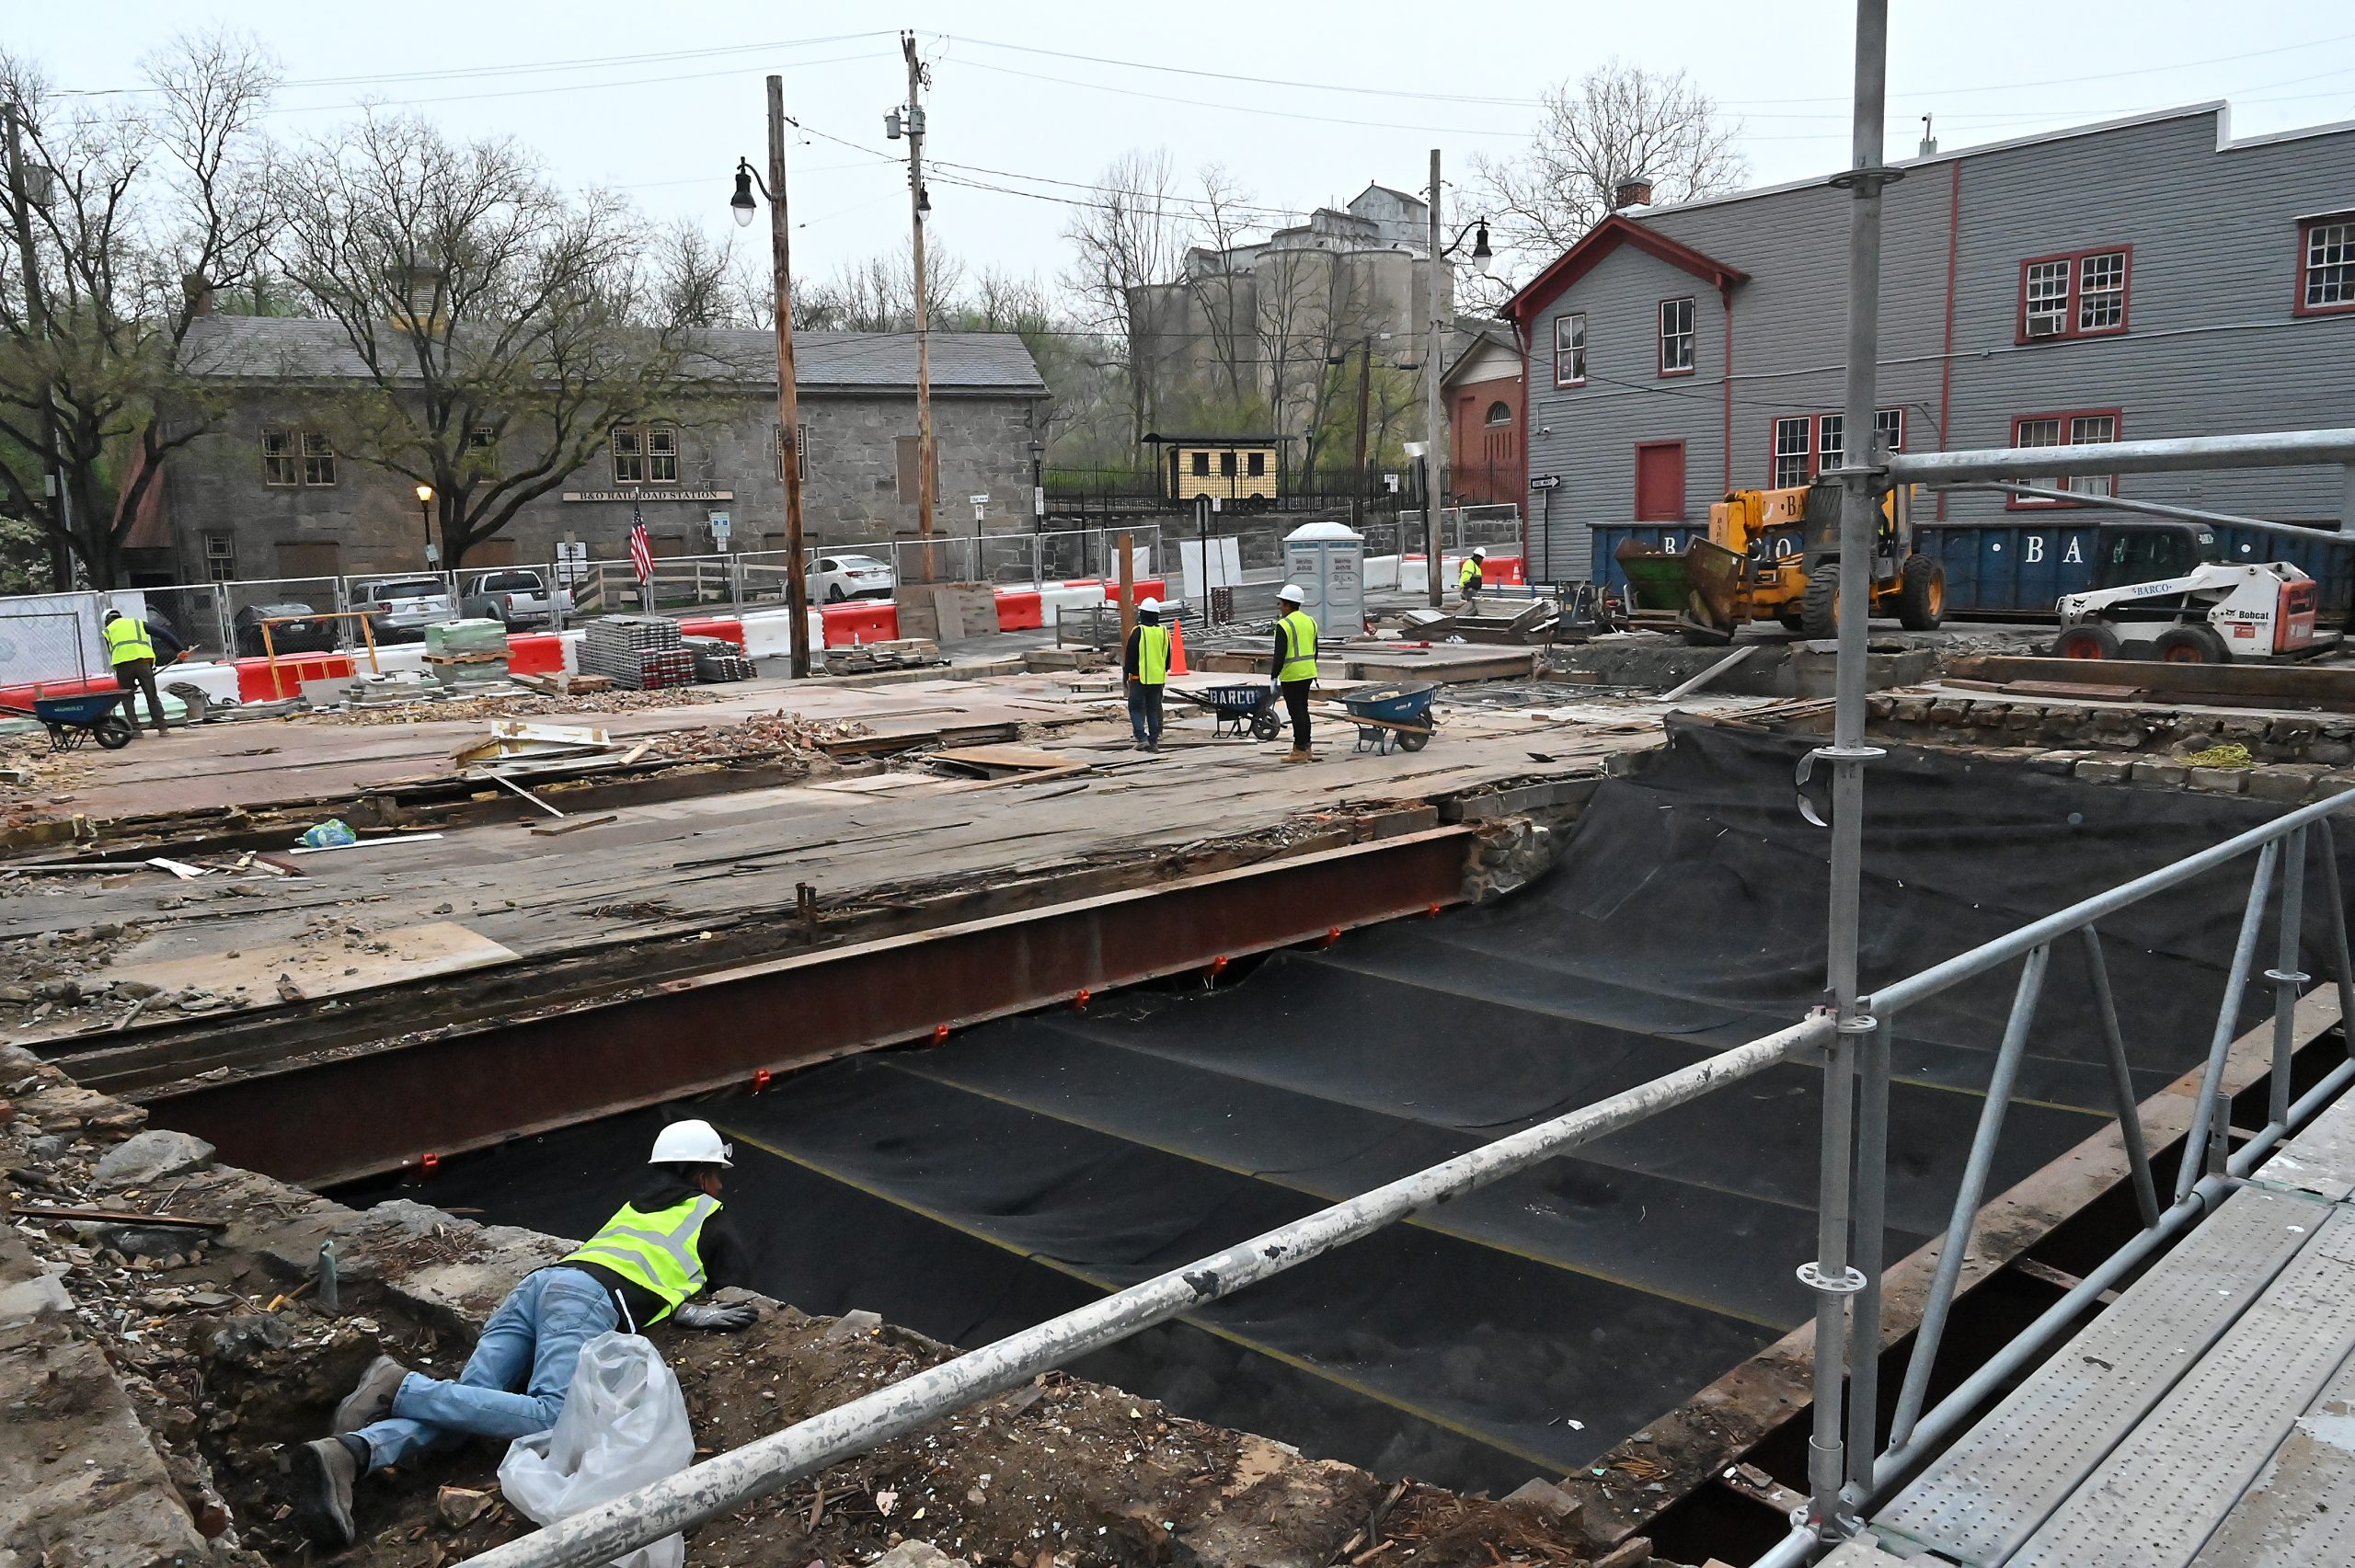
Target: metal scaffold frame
<point>1850,1040</point>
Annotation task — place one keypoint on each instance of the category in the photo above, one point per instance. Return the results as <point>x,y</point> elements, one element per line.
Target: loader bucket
<point>1703,585</point>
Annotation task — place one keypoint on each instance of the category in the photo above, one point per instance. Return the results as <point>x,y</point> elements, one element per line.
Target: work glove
<point>715,1317</point>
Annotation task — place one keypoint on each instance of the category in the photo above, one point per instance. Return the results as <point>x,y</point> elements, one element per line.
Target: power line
<point>1254,81</point>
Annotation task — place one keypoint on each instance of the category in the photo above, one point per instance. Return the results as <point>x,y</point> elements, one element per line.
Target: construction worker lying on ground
<point>1471,578</point>
<point>1295,666</point>
<point>668,1243</point>
<point>1145,663</point>
<point>135,648</point>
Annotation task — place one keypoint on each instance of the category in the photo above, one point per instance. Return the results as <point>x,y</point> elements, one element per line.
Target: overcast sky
<point>660,99</point>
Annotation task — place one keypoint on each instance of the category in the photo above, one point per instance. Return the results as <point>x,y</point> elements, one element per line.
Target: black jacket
<point>721,1250</point>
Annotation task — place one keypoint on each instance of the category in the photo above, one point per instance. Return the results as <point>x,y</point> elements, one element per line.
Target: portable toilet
<point>1328,560</point>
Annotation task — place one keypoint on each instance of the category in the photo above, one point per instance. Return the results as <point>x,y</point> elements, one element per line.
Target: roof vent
<point>1636,191</point>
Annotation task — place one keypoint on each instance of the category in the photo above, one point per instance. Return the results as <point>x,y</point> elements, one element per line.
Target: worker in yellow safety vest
<point>664,1247</point>
<point>132,648</point>
<point>1145,664</point>
<point>1472,579</point>
<point>1295,664</point>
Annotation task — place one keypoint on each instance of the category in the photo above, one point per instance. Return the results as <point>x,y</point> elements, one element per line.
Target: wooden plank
<point>2303,684</point>
<point>112,1217</point>
<point>572,824</point>
<point>1003,757</point>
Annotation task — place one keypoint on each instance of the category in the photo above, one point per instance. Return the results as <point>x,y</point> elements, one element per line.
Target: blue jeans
<point>533,1342</point>
<point>1145,712</point>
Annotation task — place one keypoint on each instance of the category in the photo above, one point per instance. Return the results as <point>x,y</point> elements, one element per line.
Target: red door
<point>1659,482</point>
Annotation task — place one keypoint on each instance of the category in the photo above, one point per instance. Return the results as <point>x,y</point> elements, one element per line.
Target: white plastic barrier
<point>1382,571</point>
<point>218,681</point>
<point>1059,597</point>
<point>768,634</point>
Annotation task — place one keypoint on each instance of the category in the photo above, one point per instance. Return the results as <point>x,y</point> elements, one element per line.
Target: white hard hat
<point>1291,594</point>
<point>1481,550</point>
<point>690,1143</point>
<point>1154,605</point>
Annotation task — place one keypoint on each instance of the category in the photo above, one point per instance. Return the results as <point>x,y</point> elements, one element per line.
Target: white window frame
<point>2110,293</point>
<point>2066,429</point>
<point>1802,427</point>
<point>221,557</point>
<point>2046,297</point>
<point>319,459</point>
<point>2326,266</point>
<point>1678,342</point>
<point>800,448</point>
<point>645,454</point>
<point>1575,349</point>
<point>282,457</point>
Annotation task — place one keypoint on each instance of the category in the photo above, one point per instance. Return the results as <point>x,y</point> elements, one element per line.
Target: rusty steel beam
<point>330,1120</point>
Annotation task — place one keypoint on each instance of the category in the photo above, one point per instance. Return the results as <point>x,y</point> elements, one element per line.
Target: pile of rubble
<point>174,1326</point>
<point>778,734</point>
<point>519,704</point>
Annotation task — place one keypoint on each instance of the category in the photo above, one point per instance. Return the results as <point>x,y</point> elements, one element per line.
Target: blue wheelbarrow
<point>72,720</point>
<point>1400,713</point>
<point>1238,710</point>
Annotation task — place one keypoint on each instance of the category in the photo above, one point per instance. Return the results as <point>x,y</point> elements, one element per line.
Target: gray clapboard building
<point>2136,279</point>
<point>264,494</point>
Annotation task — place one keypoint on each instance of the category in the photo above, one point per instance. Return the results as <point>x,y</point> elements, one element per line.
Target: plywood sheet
<point>322,966</point>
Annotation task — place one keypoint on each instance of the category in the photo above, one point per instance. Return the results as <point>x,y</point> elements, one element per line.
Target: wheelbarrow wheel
<point>114,731</point>
<point>1412,739</point>
<point>1266,726</point>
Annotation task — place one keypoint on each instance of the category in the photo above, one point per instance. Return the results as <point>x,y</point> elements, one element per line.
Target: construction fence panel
<point>53,642</point>
<point>242,604</point>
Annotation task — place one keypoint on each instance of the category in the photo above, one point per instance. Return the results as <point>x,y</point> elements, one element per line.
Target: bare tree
<point>500,330</point>
<point>695,281</point>
<point>133,217</point>
<point>1129,240</point>
<point>1216,274</point>
<point>1617,123</point>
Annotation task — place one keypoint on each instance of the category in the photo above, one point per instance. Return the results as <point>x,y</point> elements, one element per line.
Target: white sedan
<point>850,577</point>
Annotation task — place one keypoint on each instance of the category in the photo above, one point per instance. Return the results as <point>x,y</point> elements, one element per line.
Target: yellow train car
<point>1236,469</point>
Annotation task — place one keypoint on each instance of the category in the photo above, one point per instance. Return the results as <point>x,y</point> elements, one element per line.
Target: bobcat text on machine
<point>2160,593</point>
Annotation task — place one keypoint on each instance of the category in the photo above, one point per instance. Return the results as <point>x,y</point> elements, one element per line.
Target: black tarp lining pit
<point>1027,1166</point>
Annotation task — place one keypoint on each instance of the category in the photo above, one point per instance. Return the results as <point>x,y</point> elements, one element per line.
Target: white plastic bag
<point>624,1425</point>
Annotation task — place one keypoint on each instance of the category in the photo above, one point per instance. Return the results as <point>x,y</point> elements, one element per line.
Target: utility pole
<point>61,562</point>
<point>788,400</point>
<point>1365,376</point>
<point>917,206</point>
<point>1433,420</point>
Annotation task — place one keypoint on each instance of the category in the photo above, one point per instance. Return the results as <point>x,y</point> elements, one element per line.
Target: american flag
<point>641,549</point>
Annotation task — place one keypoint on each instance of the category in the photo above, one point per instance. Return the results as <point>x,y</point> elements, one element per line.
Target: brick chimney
<point>198,290</point>
<point>1633,192</point>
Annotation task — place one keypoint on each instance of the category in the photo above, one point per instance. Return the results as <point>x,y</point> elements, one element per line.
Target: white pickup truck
<point>517,596</point>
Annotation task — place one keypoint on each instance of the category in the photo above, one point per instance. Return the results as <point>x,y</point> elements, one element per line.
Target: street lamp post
<point>789,417</point>
<point>425,517</point>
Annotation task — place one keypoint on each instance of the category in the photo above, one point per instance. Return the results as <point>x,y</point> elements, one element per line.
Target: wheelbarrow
<point>72,720</point>
<point>1238,710</point>
<point>1387,714</point>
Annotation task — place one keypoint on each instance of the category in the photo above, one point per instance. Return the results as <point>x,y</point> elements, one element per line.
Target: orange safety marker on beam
<point>1080,1000</point>
<point>761,1076</point>
<point>1433,911</point>
<point>1218,965</point>
<point>939,1032</point>
<point>430,1163</point>
<point>1332,935</point>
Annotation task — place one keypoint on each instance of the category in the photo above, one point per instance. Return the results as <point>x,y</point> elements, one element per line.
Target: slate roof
<point>270,348</point>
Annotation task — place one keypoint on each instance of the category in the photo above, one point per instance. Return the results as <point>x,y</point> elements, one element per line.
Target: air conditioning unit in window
<point>2044,327</point>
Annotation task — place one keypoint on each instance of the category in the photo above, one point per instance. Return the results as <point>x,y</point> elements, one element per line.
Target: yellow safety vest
<point>1470,574</point>
<point>1300,647</point>
<point>657,1251</point>
<point>127,640</point>
<point>1153,656</point>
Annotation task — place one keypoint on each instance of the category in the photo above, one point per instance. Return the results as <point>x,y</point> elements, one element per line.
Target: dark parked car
<point>298,636</point>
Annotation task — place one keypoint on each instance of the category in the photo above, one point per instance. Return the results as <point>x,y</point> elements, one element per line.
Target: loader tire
<point>1920,594</point>
<point>2088,639</point>
<point>2191,644</point>
<point>1819,607</point>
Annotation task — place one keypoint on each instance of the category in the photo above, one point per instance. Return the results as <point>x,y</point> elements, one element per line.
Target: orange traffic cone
<point>1176,646</point>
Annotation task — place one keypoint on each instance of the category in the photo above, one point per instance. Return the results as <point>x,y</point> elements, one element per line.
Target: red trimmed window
<point>2086,427</point>
<point>2326,264</point>
<point>1676,337</point>
<point>1807,444</point>
<point>1570,348</point>
<point>2081,294</point>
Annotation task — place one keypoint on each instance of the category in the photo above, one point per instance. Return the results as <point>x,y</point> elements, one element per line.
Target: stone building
<point>262,495</point>
<point>1267,320</point>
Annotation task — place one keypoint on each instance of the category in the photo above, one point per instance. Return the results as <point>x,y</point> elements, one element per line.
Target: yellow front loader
<point>1774,555</point>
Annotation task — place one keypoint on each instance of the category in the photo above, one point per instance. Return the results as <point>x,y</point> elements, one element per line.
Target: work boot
<point>371,1400</point>
<point>320,1474</point>
<point>1298,754</point>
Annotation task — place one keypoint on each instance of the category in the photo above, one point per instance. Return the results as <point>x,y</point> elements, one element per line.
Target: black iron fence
<point>1083,493</point>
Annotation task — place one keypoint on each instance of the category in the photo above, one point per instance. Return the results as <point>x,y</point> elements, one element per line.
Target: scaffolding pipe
<point>730,1480</point>
<point>2273,449</point>
<point>2158,508</point>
